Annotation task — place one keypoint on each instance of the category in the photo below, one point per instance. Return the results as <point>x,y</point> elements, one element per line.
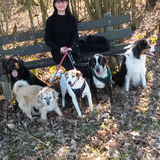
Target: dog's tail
<point>118,79</point>
<point>57,75</point>
<point>19,84</point>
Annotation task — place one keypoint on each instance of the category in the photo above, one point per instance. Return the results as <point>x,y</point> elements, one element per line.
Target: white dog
<point>72,82</point>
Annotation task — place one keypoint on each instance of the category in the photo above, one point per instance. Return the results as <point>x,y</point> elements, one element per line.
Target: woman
<point>61,33</point>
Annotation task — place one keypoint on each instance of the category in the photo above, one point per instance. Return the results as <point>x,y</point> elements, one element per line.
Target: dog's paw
<point>32,120</point>
<point>144,86</point>
<point>43,120</point>
<point>99,105</point>
<point>91,108</point>
<point>80,115</point>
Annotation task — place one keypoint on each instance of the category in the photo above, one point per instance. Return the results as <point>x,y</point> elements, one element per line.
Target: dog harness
<point>79,91</point>
<point>105,80</point>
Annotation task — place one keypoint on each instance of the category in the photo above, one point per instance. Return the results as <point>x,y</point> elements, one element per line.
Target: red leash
<point>59,66</point>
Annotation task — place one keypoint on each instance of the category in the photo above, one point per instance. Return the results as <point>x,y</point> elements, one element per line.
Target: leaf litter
<point>129,129</point>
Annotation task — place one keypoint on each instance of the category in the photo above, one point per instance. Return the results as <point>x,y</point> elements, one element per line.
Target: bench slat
<point>110,21</point>
<point>116,50</point>
<point>22,37</point>
<point>29,50</point>
<point>113,35</point>
<point>46,62</point>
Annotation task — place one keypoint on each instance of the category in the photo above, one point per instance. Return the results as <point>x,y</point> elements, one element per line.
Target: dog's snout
<point>48,103</point>
<point>69,82</point>
<point>97,69</point>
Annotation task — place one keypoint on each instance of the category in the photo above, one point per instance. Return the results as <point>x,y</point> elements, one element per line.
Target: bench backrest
<point>42,47</point>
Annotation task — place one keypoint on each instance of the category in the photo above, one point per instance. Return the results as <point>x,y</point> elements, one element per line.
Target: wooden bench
<point>105,24</point>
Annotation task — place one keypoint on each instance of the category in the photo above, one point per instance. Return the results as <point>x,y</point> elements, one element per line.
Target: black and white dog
<point>133,65</point>
<point>100,76</point>
<point>72,82</point>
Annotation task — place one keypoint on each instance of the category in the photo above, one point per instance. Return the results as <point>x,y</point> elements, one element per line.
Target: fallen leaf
<point>95,141</point>
<point>101,132</point>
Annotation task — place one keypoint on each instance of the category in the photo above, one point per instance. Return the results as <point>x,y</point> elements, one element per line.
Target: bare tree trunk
<point>133,15</point>
<point>98,9</point>
<point>1,27</point>
<point>89,9</point>
<point>74,8</point>
<point>44,13</point>
<point>150,4</point>
<point>30,13</point>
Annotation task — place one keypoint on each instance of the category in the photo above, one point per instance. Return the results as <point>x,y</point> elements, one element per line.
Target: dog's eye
<point>100,61</point>
<point>44,98</point>
<point>50,97</point>
<point>73,76</point>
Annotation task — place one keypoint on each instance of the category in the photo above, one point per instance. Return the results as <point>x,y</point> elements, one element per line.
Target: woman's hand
<point>63,50</point>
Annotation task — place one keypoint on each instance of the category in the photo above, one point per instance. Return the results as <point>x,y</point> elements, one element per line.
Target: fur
<point>14,66</point>
<point>72,80</point>
<point>33,96</point>
<point>133,65</point>
<point>100,68</point>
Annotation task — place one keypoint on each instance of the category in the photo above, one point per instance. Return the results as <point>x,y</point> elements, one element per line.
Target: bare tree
<point>150,4</point>
<point>5,14</point>
<point>30,13</point>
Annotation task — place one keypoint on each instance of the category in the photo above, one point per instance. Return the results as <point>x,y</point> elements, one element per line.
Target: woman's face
<point>61,6</point>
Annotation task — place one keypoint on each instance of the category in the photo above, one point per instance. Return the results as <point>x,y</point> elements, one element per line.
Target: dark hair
<point>67,9</point>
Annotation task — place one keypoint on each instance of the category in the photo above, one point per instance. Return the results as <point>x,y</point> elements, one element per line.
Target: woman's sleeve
<point>49,36</point>
<point>75,37</point>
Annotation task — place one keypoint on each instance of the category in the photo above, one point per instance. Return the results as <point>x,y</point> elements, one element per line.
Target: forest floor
<point>133,132</point>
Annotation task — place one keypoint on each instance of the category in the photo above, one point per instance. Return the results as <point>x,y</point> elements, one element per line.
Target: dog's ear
<point>104,59</point>
<point>5,60</point>
<point>90,61</point>
<point>19,58</point>
<point>66,74</point>
<point>79,74</point>
<point>40,96</point>
<point>55,94</point>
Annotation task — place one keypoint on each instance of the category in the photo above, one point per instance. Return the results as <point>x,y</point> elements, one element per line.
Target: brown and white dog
<point>72,82</point>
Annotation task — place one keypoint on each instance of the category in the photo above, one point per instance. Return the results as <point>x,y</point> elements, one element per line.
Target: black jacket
<point>94,43</point>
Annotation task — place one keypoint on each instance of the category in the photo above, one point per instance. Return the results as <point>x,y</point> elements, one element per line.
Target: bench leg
<point>6,89</point>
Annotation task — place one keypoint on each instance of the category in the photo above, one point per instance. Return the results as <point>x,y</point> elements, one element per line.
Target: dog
<point>100,76</point>
<point>29,97</point>
<point>73,82</point>
<point>133,65</point>
<point>14,66</point>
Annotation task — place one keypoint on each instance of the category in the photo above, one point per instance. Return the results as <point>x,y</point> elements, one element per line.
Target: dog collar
<point>79,91</point>
<point>106,80</point>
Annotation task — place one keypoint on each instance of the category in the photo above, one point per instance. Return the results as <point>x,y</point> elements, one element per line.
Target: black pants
<point>66,63</point>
